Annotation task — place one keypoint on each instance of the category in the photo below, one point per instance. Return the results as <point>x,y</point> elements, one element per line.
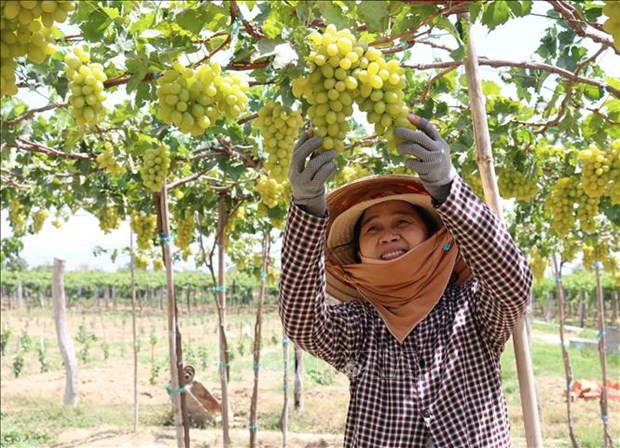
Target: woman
<point>431,284</point>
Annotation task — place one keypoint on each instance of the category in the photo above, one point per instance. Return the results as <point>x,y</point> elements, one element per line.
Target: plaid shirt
<point>443,381</point>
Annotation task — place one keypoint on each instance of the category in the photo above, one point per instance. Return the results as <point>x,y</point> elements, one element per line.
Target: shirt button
<point>426,413</point>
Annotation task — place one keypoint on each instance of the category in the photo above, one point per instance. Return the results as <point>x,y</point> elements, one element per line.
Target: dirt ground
<point>113,385</point>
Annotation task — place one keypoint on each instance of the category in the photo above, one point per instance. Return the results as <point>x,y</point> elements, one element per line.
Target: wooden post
<point>298,395</point>
<point>176,361</point>
<point>284,416</point>
<point>602,350</point>
<point>221,301</point>
<point>484,158</point>
<point>132,270</point>
<point>257,339</point>
<point>65,343</point>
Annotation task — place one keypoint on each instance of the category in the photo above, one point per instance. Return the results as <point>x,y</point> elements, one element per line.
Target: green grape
<point>38,219</point>
<point>141,261</point>
<point>613,186</point>
<point>16,216</point>
<point>349,173</point>
<point>193,100</point>
<point>144,226</point>
<point>109,218</point>
<point>279,130</point>
<point>538,264</point>
<point>561,202</point>
<point>596,170</point>
<point>25,12</point>
<point>271,191</point>
<point>513,183</point>
<point>185,234</point>
<point>158,264</point>
<point>330,88</point>
<point>108,162</point>
<point>154,168</point>
<point>86,87</point>
<point>588,256</point>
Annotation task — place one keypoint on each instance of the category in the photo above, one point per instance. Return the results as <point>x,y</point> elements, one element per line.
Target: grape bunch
<point>560,202</point>
<point>16,216</point>
<point>25,30</point>
<point>141,261</point>
<point>193,100</point>
<point>144,227</point>
<point>158,264</point>
<point>611,9</point>
<point>600,169</point>
<point>381,94</point>
<point>538,264</point>
<point>343,71</point>
<point>185,234</point>
<point>279,130</point>
<point>109,218</point>
<point>25,12</point>
<point>568,200</point>
<point>108,162</point>
<point>349,173</point>
<point>271,191</point>
<point>155,168</point>
<point>38,219</point>
<point>86,87</point>
<point>613,187</point>
<point>513,183</point>
<point>600,251</point>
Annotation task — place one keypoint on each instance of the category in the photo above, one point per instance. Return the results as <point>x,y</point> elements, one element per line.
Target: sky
<point>76,240</point>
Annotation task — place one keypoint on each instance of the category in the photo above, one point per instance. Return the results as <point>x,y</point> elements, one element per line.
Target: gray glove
<point>308,179</point>
<point>431,158</point>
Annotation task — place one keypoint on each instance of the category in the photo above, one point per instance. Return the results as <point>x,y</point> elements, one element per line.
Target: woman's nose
<point>389,237</point>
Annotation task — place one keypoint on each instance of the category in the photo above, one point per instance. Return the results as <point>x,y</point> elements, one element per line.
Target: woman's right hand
<point>308,174</point>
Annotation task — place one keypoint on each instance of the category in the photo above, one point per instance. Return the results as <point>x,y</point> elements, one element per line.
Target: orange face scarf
<point>406,289</point>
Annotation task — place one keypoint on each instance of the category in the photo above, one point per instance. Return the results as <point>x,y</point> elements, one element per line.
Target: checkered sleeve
<point>503,274</point>
<point>331,332</point>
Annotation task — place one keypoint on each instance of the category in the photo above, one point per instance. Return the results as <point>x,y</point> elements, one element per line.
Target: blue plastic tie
<point>285,341</point>
<point>256,366</point>
<point>263,276</point>
<point>598,264</point>
<point>253,426</point>
<point>173,392</point>
<point>219,288</point>
<point>446,246</point>
<point>558,280</point>
<point>604,417</point>
<point>165,238</point>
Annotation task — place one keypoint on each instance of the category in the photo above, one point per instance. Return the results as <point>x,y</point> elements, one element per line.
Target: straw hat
<point>346,205</point>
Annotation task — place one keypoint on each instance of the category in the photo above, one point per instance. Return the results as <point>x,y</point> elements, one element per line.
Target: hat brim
<point>346,205</point>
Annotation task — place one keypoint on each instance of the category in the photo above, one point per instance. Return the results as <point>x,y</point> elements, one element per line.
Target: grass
<point>32,420</point>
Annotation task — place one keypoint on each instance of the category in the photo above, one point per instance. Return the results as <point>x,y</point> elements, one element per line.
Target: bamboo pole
<point>221,300</point>
<point>565,357</point>
<point>602,349</point>
<point>484,158</point>
<point>284,416</point>
<point>132,269</point>
<point>257,338</point>
<point>176,362</point>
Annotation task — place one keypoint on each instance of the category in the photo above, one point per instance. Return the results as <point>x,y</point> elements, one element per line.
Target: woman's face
<point>390,229</point>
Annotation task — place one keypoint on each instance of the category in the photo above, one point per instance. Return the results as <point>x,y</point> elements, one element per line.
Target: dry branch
<point>36,147</point>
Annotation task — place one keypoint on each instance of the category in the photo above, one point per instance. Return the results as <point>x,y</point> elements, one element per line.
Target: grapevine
<point>349,173</point>
<point>279,129</point>
<point>155,168</point>
<point>86,86</point>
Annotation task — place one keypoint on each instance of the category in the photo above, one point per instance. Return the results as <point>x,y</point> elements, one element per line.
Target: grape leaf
<point>374,14</point>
